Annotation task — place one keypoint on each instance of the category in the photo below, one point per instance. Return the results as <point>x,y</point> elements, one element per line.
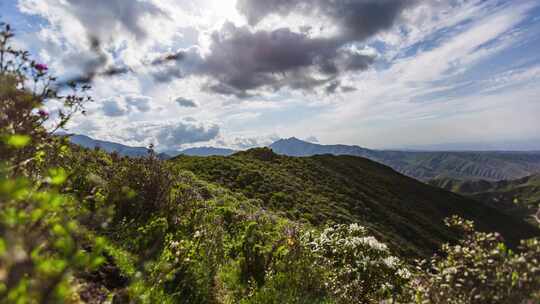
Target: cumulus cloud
<point>240,61</point>
<point>248,142</point>
<point>124,105</point>
<point>356,19</point>
<point>100,38</point>
<point>103,17</point>
<point>243,62</point>
<point>188,103</point>
<point>165,135</point>
<point>171,135</point>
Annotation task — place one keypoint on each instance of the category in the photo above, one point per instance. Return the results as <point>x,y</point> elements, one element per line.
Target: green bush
<point>480,269</point>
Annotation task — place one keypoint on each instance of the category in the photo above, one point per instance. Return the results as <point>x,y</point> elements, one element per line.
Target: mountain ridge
<point>421,165</point>
<point>324,189</point>
<point>124,150</point>
<point>91,143</point>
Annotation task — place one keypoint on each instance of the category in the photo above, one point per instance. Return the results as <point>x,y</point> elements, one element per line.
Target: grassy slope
<point>325,188</point>
<point>520,197</point>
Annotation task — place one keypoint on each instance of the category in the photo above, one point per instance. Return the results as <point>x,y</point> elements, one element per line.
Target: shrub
<point>360,269</point>
<point>41,239</point>
<point>479,269</point>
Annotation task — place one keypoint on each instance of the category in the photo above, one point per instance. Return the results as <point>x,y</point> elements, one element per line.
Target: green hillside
<point>325,188</point>
<point>520,197</point>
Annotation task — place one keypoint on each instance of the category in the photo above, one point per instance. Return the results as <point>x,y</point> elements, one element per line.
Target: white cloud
<point>125,105</point>
<point>165,135</point>
<point>141,103</point>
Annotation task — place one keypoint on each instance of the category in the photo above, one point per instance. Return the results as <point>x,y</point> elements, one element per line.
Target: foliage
<point>40,231</point>
<point>325,189</point>
<point>360,268</point>
<point>480,269</point>
<point>40,240</point>
<point>25,88</point>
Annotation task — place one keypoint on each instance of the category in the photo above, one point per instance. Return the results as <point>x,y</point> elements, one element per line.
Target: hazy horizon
<point>526,146</point>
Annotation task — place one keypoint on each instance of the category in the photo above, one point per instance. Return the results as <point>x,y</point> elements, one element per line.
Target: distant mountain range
<point>425,166</point>
<point>108,146</point>
<point>518,145</point>
<point>124,150</point>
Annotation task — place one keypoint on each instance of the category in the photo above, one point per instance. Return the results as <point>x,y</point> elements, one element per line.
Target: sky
<point>386,74</point>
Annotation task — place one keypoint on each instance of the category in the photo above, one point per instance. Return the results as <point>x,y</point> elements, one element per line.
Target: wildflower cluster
<point>360,268</point>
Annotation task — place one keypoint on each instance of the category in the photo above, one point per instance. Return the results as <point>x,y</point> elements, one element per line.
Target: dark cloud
<point>332,87</point>
<point>357,19</point>
<point>178,56</point>
<point>188,103</point>
<point>346,89</point>
<point>105,17</point>
<point>89,65</point>
<point>177,65</point>
<point>243,62</point>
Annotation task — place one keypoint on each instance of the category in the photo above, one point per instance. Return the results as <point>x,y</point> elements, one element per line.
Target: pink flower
<point>43,113</point>
<point>41,67</point>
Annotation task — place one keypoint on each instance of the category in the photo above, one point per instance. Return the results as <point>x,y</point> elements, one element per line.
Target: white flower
<point>404,273</point>
<point>391,261</point>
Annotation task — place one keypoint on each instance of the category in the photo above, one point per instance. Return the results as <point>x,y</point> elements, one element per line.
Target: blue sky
<point>462,74</point>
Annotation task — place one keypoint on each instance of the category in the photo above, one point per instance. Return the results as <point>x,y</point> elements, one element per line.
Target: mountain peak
<point>294,139</point>
<point>293,146</point>
<point>289,140</point>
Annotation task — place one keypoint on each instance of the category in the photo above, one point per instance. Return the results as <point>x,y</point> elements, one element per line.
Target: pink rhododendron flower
<point>42,67</point>
<point>43,113</point>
